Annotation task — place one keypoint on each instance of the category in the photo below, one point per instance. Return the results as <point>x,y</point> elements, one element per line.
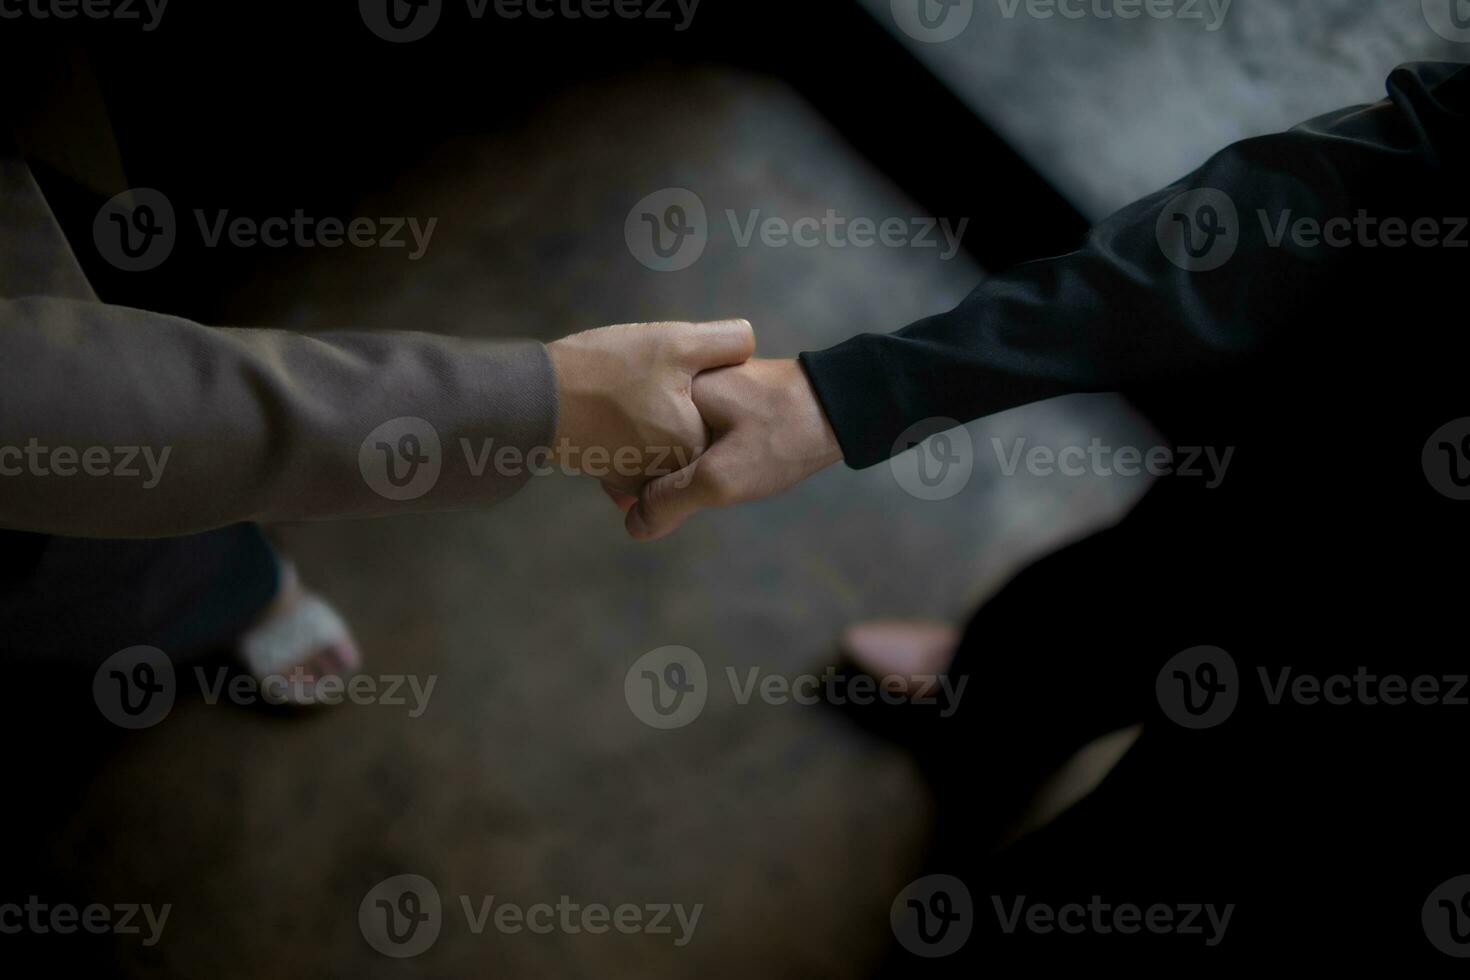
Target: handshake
<point>712,426</point>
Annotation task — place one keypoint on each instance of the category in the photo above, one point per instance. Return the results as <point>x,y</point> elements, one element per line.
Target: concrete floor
<point>528,777</point>
<point>1111,109</point>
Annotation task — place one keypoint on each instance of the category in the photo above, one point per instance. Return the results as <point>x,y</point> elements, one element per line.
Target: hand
<point>626,413</point>
<point>770,433</point>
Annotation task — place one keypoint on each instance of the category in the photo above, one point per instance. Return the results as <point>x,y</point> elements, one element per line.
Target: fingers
<point>667,502</point>
<point>717,394</point>
<point>719,343</point>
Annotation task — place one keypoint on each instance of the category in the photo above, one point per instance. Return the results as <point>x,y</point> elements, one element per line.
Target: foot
<point>913,650</point>
<point>297,642</point>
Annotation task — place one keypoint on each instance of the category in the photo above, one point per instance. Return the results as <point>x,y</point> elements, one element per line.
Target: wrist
<point>815,440</point>
<point>571,398</point>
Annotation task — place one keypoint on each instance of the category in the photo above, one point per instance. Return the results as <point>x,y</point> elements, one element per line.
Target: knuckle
<point>673,345</point>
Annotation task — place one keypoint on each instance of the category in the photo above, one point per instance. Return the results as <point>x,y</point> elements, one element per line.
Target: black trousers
<point>69,602</point>
<point>66,605</point>
<point>1323,828</point>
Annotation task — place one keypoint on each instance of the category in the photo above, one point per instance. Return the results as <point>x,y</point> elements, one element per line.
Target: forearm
<point>1125,309</point>
<point>121,423</point>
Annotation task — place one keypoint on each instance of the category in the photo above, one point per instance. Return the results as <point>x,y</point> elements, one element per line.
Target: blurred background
<point>531,142</point>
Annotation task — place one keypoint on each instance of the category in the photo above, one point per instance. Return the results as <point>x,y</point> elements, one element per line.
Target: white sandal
<point>298,642</point>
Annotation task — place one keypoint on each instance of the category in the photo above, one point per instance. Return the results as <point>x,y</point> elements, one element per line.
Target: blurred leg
<point>74,602</point>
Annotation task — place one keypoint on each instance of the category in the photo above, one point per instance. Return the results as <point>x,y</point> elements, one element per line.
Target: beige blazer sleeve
<point>118,422</point>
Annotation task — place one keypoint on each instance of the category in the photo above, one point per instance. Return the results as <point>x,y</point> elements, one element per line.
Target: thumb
<point>667,502</point>
<point>720,343</point>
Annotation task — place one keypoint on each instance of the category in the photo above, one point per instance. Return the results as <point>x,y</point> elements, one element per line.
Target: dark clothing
<point>76,601</point>
<point>1120,314</point>
<point>1327,551</point>
<point>69,603</point>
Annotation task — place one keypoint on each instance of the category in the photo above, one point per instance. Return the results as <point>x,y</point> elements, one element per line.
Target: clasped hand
<point>686,418</point>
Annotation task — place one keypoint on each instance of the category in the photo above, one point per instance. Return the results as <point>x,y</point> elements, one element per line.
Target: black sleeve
<point>1190,280</point>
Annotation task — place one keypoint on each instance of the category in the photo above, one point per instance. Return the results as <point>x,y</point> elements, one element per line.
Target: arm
<point>1128,308</point>
<point>123,423</point>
